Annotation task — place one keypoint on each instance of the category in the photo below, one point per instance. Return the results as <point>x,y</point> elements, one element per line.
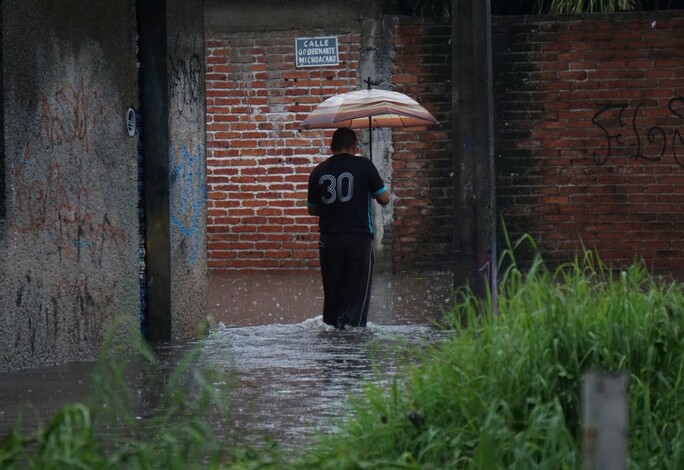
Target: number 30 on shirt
<point>341,188</point>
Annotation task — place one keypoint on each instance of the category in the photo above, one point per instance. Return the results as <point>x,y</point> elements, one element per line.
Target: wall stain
<point>53,208</point>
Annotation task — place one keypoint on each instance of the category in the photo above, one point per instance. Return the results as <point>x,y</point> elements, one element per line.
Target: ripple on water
<point>289,381</point>
<point>294,380</point>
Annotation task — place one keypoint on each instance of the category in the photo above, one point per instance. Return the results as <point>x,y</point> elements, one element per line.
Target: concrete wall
<point>70,237</point>
<point>69,241</point>
<point>173,142</point>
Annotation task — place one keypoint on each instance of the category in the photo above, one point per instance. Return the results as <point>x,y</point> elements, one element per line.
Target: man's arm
<point>383,198</point>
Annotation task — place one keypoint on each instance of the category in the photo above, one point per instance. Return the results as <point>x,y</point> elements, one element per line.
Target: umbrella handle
<point>370,134</point>
<point>370,127</point>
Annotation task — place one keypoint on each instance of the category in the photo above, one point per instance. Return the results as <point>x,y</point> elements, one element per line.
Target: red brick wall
<point>257,160</point>
<point>422,159</point>
<point>258,163</point>
<point>590,125</point>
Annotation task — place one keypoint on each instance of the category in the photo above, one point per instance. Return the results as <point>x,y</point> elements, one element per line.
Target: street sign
<point>316,52</point>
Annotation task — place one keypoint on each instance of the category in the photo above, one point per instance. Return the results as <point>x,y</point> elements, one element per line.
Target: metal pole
<point>370,138</point>
<point>370,127</point>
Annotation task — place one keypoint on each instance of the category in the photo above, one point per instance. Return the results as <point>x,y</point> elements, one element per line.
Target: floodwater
<point>290,376</point>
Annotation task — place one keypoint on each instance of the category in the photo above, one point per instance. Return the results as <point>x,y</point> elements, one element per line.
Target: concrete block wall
<point>590,124</point>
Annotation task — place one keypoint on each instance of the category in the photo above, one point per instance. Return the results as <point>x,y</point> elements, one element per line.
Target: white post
<point>604,421</point>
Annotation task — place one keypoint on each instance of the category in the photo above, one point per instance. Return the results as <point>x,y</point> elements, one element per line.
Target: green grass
<point>502,392</point>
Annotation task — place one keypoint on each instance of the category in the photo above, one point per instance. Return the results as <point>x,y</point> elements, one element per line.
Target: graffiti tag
<point>58,211</point>
<point>650,143</point>
<point>187,79</point>
<point>188,197</point>
<point>69,114</point>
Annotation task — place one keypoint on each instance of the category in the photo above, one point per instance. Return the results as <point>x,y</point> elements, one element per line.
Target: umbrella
<point>372,107</point>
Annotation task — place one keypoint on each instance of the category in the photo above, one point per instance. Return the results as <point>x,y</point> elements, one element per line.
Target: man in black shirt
<point>341,190</point>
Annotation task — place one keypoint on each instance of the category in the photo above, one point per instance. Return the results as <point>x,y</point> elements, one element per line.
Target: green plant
<point>503,392</point>
<point>586,6</point>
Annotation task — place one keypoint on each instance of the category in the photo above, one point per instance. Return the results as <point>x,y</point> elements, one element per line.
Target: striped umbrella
<point>370,108</point>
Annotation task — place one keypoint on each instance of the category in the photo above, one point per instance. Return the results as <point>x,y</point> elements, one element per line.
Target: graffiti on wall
<point>188,197</point>
<point>51,197</point>
<point>71,311</point>
<point>618,122</point>
<point>49,205</point>
<point>70,112</point>
<point>186,78</point>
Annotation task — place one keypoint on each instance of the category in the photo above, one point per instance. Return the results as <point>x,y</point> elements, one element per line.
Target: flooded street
<point>295,380</point>
<point>247,299</point>
<point>290,375</point>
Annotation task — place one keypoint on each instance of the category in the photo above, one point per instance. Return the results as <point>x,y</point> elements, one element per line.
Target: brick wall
<point>590,125</point>
<point>422,158</point>
<point>257,160</point>
<point>589,122</point>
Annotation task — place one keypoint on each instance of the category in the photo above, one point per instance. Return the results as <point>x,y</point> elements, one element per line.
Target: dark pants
<point>347,269</point>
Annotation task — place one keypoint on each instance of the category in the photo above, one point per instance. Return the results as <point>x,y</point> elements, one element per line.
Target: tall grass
<point>504,391</point>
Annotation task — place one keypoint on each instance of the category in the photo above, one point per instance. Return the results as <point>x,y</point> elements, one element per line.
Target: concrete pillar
<point>474,183</point>
<point>173,123</point>
<point>375,64</point>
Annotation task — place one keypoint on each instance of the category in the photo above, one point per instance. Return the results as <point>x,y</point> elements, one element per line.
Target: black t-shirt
<point>342,187</point>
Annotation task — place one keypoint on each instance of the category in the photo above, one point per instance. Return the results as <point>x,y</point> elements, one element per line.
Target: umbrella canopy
<point>368,109</point>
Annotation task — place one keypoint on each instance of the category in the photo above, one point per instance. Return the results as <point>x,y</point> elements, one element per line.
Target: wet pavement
<point>290,374</point>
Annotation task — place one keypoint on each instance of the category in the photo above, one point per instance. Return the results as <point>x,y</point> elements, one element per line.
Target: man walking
<point>341,190</point>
